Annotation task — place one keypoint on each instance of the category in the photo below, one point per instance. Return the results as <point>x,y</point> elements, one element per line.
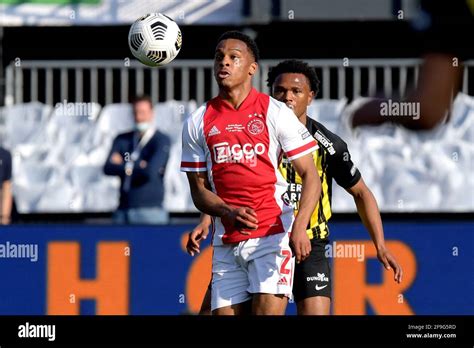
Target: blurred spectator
<point>139,158</point>
<point>444,28</point>
<point>6,200</point>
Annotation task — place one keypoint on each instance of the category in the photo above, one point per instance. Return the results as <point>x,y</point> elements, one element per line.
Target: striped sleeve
<point>193,157</point>
<point>293,136</point>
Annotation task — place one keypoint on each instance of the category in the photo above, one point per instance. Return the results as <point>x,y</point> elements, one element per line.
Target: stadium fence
<point>113,81</point>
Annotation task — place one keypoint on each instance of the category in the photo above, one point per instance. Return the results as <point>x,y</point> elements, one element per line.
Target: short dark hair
<point>140,98</point>
<point>237,35</point>
<point>294,66</point>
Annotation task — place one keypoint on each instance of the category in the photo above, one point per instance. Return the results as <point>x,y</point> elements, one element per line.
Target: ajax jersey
<point>241,150</point>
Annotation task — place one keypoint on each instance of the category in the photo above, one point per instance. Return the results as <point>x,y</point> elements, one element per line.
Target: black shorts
<point>313,275</point>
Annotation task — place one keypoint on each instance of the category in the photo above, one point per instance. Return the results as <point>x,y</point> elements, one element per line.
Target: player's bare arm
<point>203,198</point>
<point>310,192</point>
<point>370,216</point>
<point>209,203</point>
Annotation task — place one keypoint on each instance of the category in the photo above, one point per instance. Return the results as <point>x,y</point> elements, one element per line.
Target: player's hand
<point>243,218</point>
<point>195,237</point>
<point>300,243</point>
<point>389,262</point>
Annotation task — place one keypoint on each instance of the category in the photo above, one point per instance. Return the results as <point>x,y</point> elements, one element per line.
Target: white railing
<point>113,81</point>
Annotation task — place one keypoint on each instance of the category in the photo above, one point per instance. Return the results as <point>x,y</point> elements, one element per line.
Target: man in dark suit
<point>139,158</point>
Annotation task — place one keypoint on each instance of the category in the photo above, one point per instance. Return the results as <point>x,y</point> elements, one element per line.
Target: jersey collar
<point>248,102</point>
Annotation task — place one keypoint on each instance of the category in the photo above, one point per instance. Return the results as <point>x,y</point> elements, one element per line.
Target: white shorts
<point>258,265</point>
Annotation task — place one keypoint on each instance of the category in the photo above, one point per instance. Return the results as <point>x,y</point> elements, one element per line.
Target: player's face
<point>293,90</point>
<point>143,112</point>
<point>233,63</point>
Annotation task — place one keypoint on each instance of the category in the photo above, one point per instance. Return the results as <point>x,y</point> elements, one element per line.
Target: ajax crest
<point>255,126</point>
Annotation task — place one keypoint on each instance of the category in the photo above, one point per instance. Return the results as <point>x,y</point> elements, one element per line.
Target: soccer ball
<point>155,39</point>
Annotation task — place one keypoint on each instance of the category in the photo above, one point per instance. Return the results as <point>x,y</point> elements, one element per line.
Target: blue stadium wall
<point>81,269</point>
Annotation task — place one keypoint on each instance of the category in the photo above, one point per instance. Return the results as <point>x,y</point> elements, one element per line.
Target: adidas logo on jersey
<point>213,131</point>
<point>282,281</point>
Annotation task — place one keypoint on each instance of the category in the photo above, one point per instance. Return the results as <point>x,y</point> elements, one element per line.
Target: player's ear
<point>310,97</point>
<point>253,68</point>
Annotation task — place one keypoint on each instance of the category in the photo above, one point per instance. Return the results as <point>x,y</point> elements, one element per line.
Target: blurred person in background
<point>139,159</point>
<point>6,198</point>
<point>445,28</point>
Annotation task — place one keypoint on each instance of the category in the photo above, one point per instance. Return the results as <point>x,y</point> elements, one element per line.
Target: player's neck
<point>235,96</point>
<point>303,118</point>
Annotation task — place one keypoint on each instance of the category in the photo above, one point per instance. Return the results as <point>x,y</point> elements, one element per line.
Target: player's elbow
<point>360,191</point>
<point>364,196</point>
<point>199,204</point>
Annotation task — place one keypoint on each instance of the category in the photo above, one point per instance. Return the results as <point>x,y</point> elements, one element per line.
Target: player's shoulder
<point>276,104</point>
<point>277,110</point>
<point>196,116</point>
<point>329,141</point>
<point>199,112</point>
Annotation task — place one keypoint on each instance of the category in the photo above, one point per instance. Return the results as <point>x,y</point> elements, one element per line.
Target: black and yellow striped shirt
<point>332,160</point>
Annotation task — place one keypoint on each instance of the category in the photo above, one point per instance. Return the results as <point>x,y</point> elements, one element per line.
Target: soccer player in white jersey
<point>232,146</point>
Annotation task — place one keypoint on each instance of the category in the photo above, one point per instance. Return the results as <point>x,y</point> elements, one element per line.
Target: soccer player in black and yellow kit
<point>296,84</point>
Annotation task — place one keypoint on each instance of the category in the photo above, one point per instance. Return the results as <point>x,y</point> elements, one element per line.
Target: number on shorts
<point>283,268</point>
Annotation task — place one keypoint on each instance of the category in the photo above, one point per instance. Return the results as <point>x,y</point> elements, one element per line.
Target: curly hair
<point>237,35</point>
<point>294,66</point>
